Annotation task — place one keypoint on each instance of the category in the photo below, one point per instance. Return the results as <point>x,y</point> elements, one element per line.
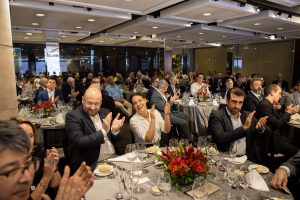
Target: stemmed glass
<point>202,142</point>
<point>130,152</point>
<point>142,153</point>
<point>173,143</point>
<point>164,182</point>
<point>243,182</point>
<point>119,177</point>
<point>230,178</point>
<point>199,188</point>
<point>131,183</point>
<point>185,143</point>
<point>232,151</point>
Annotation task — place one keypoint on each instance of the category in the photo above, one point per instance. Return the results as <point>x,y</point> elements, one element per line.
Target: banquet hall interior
<point>91,40</point>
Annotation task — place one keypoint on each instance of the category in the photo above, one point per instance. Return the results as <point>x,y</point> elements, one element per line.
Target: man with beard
<point>232,126</point>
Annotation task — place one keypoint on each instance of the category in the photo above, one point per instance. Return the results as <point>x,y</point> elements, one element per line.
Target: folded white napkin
<point>256,182</point>
<point>122,159</point>
<point>143,180</point>
<point>237,160</point>
<point>215,103</point>
<point>59,119</point>
<point>295,116</point>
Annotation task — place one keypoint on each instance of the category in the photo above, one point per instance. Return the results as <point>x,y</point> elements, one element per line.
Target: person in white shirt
<point>199,87</point>
<point>147,124</point>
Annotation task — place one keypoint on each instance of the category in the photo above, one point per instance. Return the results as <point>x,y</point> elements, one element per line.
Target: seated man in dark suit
<point>71,92</point>
<point>288,174</point>
<point>282,83</point>
<point>232,126</point>
<point>89,129</point>
<point>43,86</point>
<point>173,88</point>
<point>179,119</point>
<point>154,82</point>
<point>277,119</point>
<point>50,94</point>
<point>254,96</point>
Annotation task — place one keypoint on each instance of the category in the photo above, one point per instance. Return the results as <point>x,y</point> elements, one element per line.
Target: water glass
<point>173,143</point>
<point>185,143</point>
<point>118,171</point>
<point>231,179</point>
<point>232,150</point>
<point>164,182</point>
<point>130,152</point>
<point>202,142</point>
<point>199,188</point>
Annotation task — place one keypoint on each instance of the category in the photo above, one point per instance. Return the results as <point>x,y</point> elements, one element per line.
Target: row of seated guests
<point>21,166</point>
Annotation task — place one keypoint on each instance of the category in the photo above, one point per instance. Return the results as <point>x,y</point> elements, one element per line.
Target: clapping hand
<point>174,97</point>
<point>107,121</point>
<point>167,108</point>
<point>50,162</point>
<point>248,121</point>
<point>292,109</point>
<point>117,123</point>
<point>76,186</point>
<point>261,123</point>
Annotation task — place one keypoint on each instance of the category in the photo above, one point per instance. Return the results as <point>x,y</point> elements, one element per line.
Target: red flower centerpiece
<point>46,107</point>
<point>184,165</point>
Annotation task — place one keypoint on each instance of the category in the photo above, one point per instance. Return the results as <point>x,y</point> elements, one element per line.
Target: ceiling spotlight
<point>280,28</point>
<point>135,32</point>
<point>63,36</point>
<point>207,14</point>
<point>78,27</point>
<point>28,33</point>
<point>40,15</point>
<point>272,37</point>
<point>35,24</point>
<point>178,36</point>
<point>257,24</point>
<point>258,9</point>
<point>101,41</point>
<point>91,20</point>
<point>242,4</point>
<point>200,33</point>
<point>290,16</point>
<point>154,27</point>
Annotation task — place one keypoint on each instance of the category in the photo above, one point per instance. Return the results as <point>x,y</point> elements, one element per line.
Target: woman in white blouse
<point>147,124</point>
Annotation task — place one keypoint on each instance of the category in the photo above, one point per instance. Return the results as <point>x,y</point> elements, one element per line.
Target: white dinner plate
<point>259,168</point>
<point>99,173</point>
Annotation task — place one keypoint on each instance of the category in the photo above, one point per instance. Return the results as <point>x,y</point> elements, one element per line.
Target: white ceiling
<point>152,23</point>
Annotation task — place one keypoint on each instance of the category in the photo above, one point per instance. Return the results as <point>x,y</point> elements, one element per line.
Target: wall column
<point>8,97</point>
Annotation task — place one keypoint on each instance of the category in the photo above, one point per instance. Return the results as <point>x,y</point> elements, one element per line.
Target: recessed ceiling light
<point>200,33</point>
<point>207,14</point>
<point>35,24</point>
<point>101,41</point>
<point>78,27</point>
<point>150,41</point>
<point>257,24</point>
<point>128,0</point>
<point>178,36</point>
<point>224,36</point>
<point>154,27</point>
<point>91,20</point>
<point>26,38</point>
<point>28,33</point>
<point>198,45</point>
<point>280,28</point>
<point>63,36</point>
<point>201,39</point>
<point>40,15</point>
<point>111,38</point>
<point>135,32</point>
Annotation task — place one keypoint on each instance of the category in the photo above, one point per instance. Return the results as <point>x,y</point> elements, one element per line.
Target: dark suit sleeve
<point>41,96</point>
<point>221,134</point>
<point>158,102</point>
<point>293,164</point>
<point>74,129</point>
<point>249,104</point>
<point>275,119</point>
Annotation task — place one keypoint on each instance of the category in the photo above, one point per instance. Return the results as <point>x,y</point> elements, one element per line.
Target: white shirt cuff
<point>288,172</point>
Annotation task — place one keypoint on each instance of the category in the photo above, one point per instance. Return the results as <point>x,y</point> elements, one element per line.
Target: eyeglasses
<point>16,173</point>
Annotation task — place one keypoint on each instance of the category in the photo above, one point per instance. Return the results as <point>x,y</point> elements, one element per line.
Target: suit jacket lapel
<point>89,120</point>
<point>227,119</point>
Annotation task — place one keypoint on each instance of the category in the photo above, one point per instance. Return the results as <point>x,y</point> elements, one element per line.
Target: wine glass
<point>130,184</point>
<point>185,143</point>
<point>164,182</point>
<point>232,151</point>
<point>202,142</point>
<point>243,182</point>
<point>208,139</point>
<point>142,153</point>
<point>230,178</point>
<point>173,143</point>
<point>130,153</point>
<point>199,188</point>
<point>119,177</point>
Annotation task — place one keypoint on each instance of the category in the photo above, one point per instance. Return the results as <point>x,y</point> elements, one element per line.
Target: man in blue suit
<point>50,94</point>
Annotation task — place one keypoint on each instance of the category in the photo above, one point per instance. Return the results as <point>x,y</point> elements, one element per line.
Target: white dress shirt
<point>196,86</point>
<point>51,95</point>
<point>106,149</point>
